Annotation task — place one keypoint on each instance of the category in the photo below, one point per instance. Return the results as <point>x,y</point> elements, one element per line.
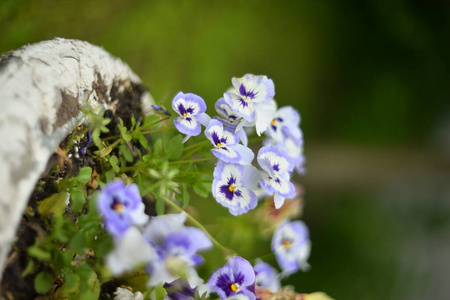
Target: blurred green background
<point>371,80</point>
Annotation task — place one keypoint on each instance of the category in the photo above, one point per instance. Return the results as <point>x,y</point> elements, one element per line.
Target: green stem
<point>191,160</point>
<point>159,121</point>
<point>263,257</point>
<point>195,173</point>
<point>158,130</point>
<point>192,151</point>
<point>228,252</point>
<point>195,145</point>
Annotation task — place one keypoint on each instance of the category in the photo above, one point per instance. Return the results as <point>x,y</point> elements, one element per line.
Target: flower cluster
<point>249,103</point>
<point>167,247</point>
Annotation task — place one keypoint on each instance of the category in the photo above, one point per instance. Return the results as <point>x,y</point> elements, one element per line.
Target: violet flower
<point>294,149</point>
<point>291,246</point>
<point>234,278</point>
<point>226,147</point>
<point>121,207</point>
<point>276,165</point>
<point>233,187</point>
<point>230,119</point>
<point>191,109</point>
<point>266,276</point>
<point>176,245</point>
<point>252,99</point>
<point>285,124</point>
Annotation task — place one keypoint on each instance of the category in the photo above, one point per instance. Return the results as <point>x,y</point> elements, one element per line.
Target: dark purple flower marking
<point>244,93</point>
<point>219,141</point>
<point>275,122</point>
<point>229,189</point>
<point>185,111</point>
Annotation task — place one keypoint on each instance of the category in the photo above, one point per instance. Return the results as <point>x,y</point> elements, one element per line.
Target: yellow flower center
<point>274,122</point>
<point>287,243</point>
<point>233,287</point>
<point>218,144</point>
<point>185,115</point>
<point>118,207</point>
<point>231,188</point>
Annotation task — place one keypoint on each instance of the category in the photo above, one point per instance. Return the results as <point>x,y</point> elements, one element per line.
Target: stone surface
<point>42,87</point>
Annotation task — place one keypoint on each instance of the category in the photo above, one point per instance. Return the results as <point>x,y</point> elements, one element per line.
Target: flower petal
<point>189,125</point>
<point>130,250</point>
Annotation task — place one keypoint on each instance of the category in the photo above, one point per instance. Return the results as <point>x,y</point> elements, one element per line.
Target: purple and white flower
<point>121,207</point>
<point>276,165</point>
<point>191,109</point>
<point>252,99</point>
<point>233,187</point>
<point>176,246</point>
<point>230,119</point>
<point>266,276</point>
<point>130,250</point>
<point>234,278</point>
<point>285,124</point>
<point>291,246</point>
<point>294,149</point>
<point>226,147</point>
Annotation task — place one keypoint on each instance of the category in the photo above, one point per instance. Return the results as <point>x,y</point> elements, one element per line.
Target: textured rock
<point>42,87</point>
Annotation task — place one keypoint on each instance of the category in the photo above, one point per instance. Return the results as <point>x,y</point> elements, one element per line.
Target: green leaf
<point>55,204</point>
<point>89,283</point>
<point>202,189</point>
<point>78,242</point>
<point>186,197</point>
<point>160,292</point>
<point>36,252</point>
<point>59,232</point>
<point>113,160</point>
<point>174,148</point>
<point>72,281</point>
<point>141,138</point>
<point>126,152</point>
<point>149,120</point>
<point>123,131</point>
<point>158,147</point>
<point>85,175</point>
<point>69,290</point>
<point>160,208</point>
<point>110,175</point>
<point>77,199</point>
<point>43,282</point>
<point>96,138</point>
<point>154,173</point>
<point>133,123</point>
<point>29,268</point>
<point>183,197</point>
